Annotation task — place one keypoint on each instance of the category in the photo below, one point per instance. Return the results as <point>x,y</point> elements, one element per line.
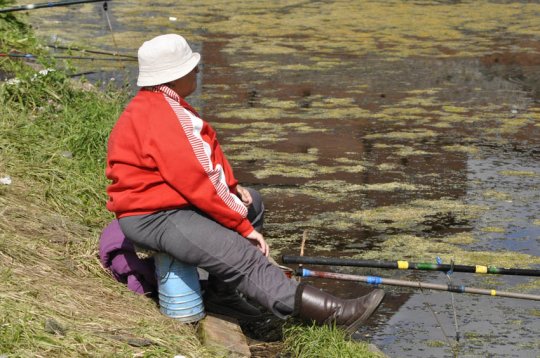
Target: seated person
<point>174,191</point>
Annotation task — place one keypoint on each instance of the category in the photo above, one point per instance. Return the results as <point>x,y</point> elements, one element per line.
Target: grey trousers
<point>193,238</point>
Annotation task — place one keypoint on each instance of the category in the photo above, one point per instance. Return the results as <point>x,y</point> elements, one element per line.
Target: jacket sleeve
<point>185,162</point>
<point>232,183</point>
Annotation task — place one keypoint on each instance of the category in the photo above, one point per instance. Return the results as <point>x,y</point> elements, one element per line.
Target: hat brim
<point>154,78</point>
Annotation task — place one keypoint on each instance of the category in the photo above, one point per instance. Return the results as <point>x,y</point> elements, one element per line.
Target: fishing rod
<point>91,51</point>
<point>34,57</point>
<point>47,4</point>
<point>376,280</point>
<point>406,265</point>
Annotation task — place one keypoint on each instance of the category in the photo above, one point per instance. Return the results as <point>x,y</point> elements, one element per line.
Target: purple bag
<point>117,254</point>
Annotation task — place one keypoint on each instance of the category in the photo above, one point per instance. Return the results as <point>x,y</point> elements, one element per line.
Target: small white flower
<point>6,180</point>
<point>46,71</point>
<point>13,81</point>
<point>172,18</point>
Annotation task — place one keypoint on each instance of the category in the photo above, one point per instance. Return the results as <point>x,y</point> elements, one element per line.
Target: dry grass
<point>56,300</point>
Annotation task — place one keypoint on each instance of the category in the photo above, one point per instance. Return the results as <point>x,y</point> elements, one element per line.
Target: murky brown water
<point>386,129</point>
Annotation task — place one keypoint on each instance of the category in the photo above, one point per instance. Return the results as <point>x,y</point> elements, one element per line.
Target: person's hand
<point>244,195</point>
<point>258,240</point>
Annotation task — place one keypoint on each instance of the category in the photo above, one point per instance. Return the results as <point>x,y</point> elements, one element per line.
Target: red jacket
<point>161,156</point>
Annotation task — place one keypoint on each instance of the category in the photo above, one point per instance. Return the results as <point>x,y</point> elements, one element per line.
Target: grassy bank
<point>55,299</point>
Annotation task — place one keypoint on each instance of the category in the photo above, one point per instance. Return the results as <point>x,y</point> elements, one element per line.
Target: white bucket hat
<point>164,59</point>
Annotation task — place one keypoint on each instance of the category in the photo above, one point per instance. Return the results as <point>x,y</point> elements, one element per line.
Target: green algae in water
<point>253,132</point>
<point>454,109</point>
<point>441,125</point>
<point>274,103</point>
<point>533,284</point>
<point>401,150</point>
<point>258,114</point>
<point>269,126</point>
<point>257,137</point>
<point>421,249</point>
<point>453,118</point>
<point>337,113</point>
<point>423,92</point>
<point>299,127</point>
<point>408,151</point>
<point>306,170</point>
<point>493,229</point>
<point>387,166</point>
<point>523,173</point>
<point>347,161</point>
<point>276,109</point>
<point>332,102</point>
<point>402,112</point>
<point>461,149</point>
<point>398,217</point>
<point>249,153</point>
<point>394,186</point>
<point>385,145</point>
<point>460,239</point>
<point>405,135</point>
<point>243,22</point>
<point>213,96</point>
<point>496,195</point>
<point>509,126</point>
<point>333,191</point>
<point>408,216</point>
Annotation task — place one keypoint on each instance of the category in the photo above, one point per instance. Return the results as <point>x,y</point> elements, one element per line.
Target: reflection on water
<point>494,327</point>
<point>409,131</point>
<point>509,184</point>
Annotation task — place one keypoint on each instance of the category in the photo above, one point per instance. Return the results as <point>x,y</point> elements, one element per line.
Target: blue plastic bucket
<point>179,289</point>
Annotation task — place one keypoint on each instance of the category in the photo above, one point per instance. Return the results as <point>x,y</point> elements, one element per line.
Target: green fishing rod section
<point>46,5</point>
<point>406,265</point>
<point>376,280</point>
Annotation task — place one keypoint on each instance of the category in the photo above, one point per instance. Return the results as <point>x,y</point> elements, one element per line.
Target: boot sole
<point>375,301</point>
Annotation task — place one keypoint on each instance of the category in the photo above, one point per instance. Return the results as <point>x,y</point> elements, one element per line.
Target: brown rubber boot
<point>323,308</point>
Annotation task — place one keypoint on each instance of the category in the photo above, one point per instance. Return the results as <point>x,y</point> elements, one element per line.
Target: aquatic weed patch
<point>306,170</point>
<point>416,248</point>
<point>334,191</point>
<point>409,217</point>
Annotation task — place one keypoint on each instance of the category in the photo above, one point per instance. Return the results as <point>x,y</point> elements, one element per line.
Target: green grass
<point>53,136</point>
<point>323,342</point>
